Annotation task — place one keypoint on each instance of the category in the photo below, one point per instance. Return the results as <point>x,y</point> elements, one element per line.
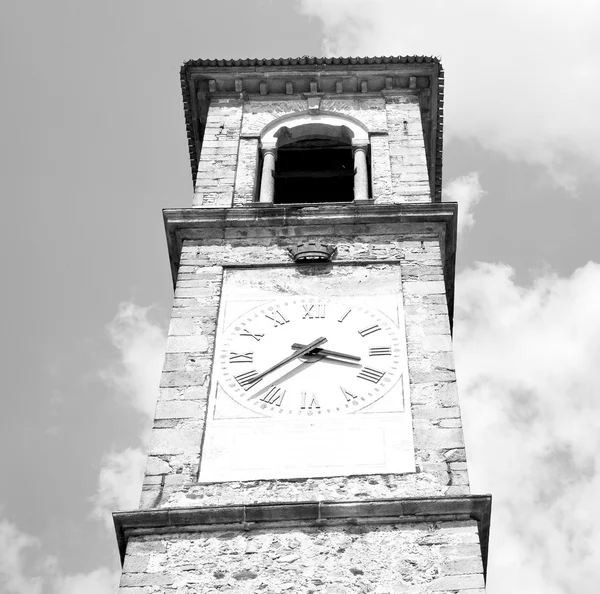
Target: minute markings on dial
<point>371,375</point>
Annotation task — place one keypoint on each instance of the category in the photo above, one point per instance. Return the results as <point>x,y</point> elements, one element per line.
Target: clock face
<point>360,360</point>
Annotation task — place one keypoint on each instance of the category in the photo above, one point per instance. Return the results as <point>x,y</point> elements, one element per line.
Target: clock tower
<point>307,436</point>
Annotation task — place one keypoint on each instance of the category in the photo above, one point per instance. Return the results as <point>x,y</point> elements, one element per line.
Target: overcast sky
<point>93,146</point>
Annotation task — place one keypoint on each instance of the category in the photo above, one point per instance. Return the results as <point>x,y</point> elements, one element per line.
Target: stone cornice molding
<point>167,521</point>
<point>223,226</point>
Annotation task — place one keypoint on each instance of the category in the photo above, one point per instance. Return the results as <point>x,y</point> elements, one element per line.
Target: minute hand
<point>295,355</point>
<point>327,353</point>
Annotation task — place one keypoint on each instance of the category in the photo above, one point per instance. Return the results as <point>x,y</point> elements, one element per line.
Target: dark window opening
<point>314,170</point>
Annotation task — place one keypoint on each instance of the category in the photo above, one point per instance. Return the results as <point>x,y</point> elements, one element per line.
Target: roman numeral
<point>344,316</point>
<point>241,357</point>
<point>314,310</point>
<point>349,396</point>
<point>371,375</point>
<point>378,351</point>
<point>309,402</point>
<point>274,396</point>
<point>246,332</point>
<point>246,380</point>
<point>369,330</point>
<point>277,318</point>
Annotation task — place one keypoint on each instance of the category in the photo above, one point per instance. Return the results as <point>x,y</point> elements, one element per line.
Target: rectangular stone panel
<point>339,414</point>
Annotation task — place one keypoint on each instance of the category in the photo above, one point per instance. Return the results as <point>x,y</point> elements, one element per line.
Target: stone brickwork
<point>228,172</point>
<point>381,171</point>
<point>171,476</point>
<point>259,114</point>
<point>218,161</point>
<point>415,558</point>
<point>410,179</point>
<point>246,179</point>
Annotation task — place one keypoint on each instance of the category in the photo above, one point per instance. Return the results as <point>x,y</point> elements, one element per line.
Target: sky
<point>93,147</point>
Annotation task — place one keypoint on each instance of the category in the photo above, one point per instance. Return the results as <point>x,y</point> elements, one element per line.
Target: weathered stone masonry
<point>382,559</point>
<point>227,170</point>
<point>436,414</point>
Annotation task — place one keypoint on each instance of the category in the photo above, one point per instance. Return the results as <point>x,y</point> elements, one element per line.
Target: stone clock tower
<point>307,436</point>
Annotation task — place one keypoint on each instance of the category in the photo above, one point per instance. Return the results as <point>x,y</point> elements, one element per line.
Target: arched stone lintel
<point>296,126</point>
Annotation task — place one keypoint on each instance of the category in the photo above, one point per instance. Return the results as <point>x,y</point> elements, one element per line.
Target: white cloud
<point>119,483</point>
<point>521,76</point>
<point>14,545</point>
<point>467,191</point>
<point>527,361</point>
<point>140,343</point>
<point>23,570</point>
<point>141,346</point>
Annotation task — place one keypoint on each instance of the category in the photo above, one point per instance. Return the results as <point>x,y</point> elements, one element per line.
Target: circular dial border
<point>316,384</point>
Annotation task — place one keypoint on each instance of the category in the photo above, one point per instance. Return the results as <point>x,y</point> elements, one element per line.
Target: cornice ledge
<point>263,214</point>
<point>191,223</point>
<point>310,513</point>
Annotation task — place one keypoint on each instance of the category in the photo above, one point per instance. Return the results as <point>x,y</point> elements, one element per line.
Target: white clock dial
<point>359,359</point>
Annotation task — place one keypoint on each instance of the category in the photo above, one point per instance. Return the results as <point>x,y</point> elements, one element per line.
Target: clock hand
<point>298,353</point>
<point>326,353</point>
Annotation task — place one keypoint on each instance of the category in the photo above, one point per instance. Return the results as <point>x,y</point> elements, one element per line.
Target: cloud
<point>521,76</point>
<point>141,346</point>
<point>23,570</point>
<point>13,547</point>
<point>527,363</point>
<point>467,191</point>
<point>140,343</point>
<point>119,484</point>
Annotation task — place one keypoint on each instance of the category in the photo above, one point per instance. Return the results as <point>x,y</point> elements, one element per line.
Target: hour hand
<point>326,352</point>
<point>302,351</point>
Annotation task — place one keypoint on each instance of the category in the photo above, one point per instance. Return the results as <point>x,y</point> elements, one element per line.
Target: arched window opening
<point>314,159</point>
<point>314,169</point>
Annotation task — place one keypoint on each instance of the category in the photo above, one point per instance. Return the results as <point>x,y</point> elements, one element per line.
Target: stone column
<point>267,181</point>
<point>361,177</point>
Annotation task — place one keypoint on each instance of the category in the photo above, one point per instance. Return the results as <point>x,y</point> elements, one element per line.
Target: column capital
<point>360,147</point>
<point>268,147</point>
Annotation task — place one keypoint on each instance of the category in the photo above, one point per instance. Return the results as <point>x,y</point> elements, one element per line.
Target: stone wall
<point>408,161</point>
<point>218,160</point>
<point>415,558</point>
<point>228,167</point>
<point>173,463</point>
